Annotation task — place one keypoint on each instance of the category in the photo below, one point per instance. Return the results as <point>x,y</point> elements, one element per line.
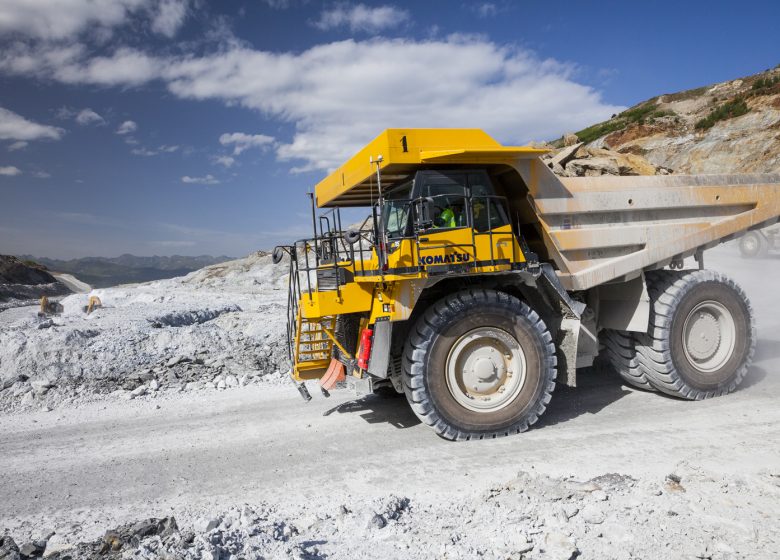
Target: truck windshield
<point>397,206</point>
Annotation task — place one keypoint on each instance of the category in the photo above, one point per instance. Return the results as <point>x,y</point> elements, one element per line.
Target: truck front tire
<point>479,364</point>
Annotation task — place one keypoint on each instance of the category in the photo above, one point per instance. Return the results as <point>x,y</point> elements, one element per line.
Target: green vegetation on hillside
<point>734,108</point>
<point>764,86</point>
<point>687,94</point>
<point>647,112</point>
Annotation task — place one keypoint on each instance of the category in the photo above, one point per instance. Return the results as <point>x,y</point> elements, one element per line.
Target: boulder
<point>206,524</point>
<point>138,391</point>
<point>569,139</point>
<point>559,547</point>
<point>564,156</point>
<point>41,386</point>
<point>593,167</point>
<point>8,549</point>
<point>593,514</point>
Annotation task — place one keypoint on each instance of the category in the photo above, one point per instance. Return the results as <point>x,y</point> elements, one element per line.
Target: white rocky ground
<point>253,471</point>
<point>222,325</point>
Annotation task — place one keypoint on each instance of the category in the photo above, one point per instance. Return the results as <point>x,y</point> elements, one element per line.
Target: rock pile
<point>693,515</point>
<point>219,327</point>
<point>579,160</point>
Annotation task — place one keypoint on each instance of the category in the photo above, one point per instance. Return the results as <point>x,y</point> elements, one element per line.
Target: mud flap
<point>333,375</point>
<point>380,349</point>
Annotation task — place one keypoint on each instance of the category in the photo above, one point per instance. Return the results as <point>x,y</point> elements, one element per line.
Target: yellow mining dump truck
<point>481,279</point>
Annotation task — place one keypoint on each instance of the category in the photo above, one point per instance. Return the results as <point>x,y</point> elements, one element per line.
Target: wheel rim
<point>749,244</point>
<point>486,369</point>
<point>709,335</point>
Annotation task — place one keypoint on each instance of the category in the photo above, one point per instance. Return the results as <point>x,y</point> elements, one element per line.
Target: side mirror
<point>277,255</point>
<point>424,210</point>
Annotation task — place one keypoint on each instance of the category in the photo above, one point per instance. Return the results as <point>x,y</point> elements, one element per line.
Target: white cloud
<point>61,19</point>
<point>242,142</point>
<point>206,180</point>
<point>361,18</point>
<point>127,127</point>
<point>88,116</point>
<point>169,17</point>
<point>509,92</point>
<point>72,64</point>
<point>10,171</point>
<point>43,59</point>
<point>225,161</point>
<point>18,146</point>
<point>164,149</point>
<point>16,127</point>
<point>486,9</point>
<point>58,19</point>
<point>124,67</point>
<point>65,113</point>
<point>382,83</point>
<point>40,174</point>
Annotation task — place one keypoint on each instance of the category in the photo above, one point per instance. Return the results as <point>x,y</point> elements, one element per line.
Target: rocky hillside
<point>22,281</point>
<point>730,127</point>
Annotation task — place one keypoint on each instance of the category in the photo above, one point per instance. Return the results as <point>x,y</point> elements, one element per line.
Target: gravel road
<point>90,467</point>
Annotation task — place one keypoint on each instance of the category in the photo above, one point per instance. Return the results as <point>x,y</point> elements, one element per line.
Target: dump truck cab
<point>478,279</point>
<point>426,223</point>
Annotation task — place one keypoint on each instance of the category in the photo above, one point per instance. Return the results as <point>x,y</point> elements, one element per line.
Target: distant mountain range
<point>104,272</point>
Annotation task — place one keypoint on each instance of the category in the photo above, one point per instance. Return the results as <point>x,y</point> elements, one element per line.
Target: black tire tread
<point>421,336</point>
<point>666,289</point>
<point>620,351</point>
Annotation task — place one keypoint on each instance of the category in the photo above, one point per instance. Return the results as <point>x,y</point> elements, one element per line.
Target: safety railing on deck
<point>328,261</point>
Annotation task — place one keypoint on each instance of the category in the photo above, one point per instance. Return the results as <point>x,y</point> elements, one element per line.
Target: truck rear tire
<point>620,350</point>
<point>701,337</point>
<point>479,364</point>
<point>753,244</point>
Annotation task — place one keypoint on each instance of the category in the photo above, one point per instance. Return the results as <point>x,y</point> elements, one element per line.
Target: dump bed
<point>597,229</point>
<point>594,229</point>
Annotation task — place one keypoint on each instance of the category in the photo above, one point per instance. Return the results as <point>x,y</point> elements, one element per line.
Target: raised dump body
<point>482,279</point>
<point>598,229</point>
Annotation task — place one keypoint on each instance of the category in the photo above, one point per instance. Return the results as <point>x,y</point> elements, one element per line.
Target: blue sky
<point>192,127</point>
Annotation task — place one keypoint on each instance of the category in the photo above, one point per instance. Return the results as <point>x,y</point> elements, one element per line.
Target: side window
<point>448,191</point>
<point>488,211</point>
<point>397,210</point>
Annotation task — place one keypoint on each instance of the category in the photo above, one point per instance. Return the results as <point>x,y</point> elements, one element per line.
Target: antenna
<point>380,225</point>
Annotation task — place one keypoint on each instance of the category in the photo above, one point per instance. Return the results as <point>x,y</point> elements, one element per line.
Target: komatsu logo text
<point>445,259</point>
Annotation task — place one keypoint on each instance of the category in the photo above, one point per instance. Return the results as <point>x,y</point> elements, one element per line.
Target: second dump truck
<point>481,279</point>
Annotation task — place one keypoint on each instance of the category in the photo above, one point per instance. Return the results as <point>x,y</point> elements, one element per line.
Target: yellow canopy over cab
<point>403,151</point>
